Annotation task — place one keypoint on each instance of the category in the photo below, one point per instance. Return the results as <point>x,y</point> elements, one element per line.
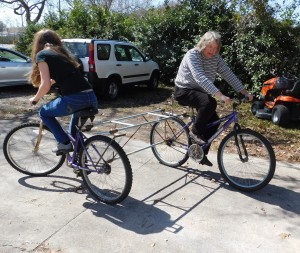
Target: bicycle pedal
<point>76,172</point>
<point>58,153</point>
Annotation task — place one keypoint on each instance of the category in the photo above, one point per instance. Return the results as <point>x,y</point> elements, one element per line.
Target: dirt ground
<point>133,101</point>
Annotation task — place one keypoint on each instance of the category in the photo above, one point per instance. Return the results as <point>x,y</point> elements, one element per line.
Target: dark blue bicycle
<point>246,159</point>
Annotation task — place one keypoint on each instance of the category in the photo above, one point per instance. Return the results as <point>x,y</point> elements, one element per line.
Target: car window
<point>122,53</point>
<point>79,49</point>
<point>135,54</point>
<point>128,53</point>
<point>8,56</point>
<point>103,51</point>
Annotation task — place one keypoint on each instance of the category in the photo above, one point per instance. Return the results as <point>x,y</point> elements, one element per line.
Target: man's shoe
<point>63,148</point>
<point>197,139</point>
<point>206,162</point>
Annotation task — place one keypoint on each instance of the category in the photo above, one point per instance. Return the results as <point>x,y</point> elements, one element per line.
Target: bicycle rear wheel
<point>246,160</point>
<point>110,180</point>
<point>170,142</point>
<point>26,156</point>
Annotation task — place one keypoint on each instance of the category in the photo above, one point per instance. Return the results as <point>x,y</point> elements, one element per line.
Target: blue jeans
<point>63,106</point>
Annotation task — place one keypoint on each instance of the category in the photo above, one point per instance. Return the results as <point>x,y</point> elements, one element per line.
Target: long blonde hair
<point>49,39</point>
<point>207,38</point>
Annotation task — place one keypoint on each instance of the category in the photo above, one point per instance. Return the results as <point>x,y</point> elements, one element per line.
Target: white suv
<point>108,65</point>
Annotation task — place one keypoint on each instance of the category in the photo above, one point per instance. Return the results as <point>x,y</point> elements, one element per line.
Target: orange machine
<point>279,101</point>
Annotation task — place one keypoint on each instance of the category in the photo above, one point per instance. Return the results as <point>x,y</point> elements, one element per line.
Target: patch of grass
<point>285,140</point>
<point>273,132</point>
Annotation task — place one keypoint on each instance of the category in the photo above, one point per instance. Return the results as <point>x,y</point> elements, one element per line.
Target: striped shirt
<point>199,73</point>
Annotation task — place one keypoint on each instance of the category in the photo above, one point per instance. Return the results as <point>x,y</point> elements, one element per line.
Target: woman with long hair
<point>54,65</point>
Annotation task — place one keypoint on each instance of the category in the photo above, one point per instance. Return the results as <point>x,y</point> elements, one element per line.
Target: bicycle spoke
<point>252,171</point>
<point>111,182</point>
<point>26,154</point>
<point>169,141</point>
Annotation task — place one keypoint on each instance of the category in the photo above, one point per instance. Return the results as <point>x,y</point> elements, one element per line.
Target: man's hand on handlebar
<point>226,100</point>
<point>249,96</point>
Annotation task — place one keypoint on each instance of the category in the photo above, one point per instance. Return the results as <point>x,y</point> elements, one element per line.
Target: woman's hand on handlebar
<point>32,101</point>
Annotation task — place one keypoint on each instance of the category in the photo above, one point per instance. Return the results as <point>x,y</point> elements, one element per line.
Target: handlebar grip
<point>245,99</point>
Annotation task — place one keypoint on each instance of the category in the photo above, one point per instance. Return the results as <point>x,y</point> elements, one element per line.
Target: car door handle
<point>136,64</point>
<point>119,64</point>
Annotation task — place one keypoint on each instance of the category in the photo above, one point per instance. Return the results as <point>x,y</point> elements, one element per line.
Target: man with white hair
<point>194,85</point>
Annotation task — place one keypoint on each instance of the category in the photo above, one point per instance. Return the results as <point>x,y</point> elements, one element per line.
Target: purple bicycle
<point>246,159</point>
<point>99,160</point>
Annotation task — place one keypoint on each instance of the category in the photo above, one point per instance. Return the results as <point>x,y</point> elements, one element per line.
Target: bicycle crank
<point>196,152</point>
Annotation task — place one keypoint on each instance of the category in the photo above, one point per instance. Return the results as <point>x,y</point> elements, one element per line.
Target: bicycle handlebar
<point>238,101</point>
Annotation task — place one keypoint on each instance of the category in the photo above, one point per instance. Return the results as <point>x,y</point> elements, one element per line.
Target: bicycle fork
<point>240,144</point>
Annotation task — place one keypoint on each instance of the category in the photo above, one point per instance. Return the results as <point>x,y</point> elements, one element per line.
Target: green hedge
<point>254,41</point>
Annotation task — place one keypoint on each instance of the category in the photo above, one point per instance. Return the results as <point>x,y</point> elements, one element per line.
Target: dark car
<point>14,67</point>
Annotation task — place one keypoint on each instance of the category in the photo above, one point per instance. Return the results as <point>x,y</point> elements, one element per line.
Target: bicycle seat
<point>295,91</point>
<point>86,113</point>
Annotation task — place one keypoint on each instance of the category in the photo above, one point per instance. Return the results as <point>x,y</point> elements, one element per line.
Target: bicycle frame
<point>226,120</point>
<point>77,142</point>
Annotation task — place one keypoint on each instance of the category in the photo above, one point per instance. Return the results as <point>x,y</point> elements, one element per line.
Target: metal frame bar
<point>127,125</point>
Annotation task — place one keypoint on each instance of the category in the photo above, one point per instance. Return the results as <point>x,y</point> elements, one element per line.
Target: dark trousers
<point>206,107</point>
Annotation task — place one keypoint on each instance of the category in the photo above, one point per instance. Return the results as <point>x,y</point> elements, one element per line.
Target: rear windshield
<point>79,49</point>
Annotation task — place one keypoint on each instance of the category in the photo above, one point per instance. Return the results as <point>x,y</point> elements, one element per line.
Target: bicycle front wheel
<point>169,141</point>
<point>109,175</point>
<point>246,160</point>
<point>28,154</point>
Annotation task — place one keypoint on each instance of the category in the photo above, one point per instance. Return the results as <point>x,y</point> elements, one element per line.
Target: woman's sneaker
<point>62,148</point>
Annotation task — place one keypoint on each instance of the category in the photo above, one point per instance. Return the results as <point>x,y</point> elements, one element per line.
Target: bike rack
<point>122,124</point>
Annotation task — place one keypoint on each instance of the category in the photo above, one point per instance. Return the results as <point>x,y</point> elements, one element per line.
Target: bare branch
<point>27,8</point>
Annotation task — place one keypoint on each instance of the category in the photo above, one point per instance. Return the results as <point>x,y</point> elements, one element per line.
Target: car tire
<point>280,115</point>
<point>256,106</point>
<point>112,89</point>
<point>153,82</point>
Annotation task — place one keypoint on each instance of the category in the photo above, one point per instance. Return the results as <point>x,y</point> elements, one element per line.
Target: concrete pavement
<point>188,209</point>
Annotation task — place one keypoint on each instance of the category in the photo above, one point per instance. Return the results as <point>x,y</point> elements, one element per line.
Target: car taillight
<point>91,58</point>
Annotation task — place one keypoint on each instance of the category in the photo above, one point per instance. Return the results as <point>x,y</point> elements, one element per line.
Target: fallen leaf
<point>284,235</point>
